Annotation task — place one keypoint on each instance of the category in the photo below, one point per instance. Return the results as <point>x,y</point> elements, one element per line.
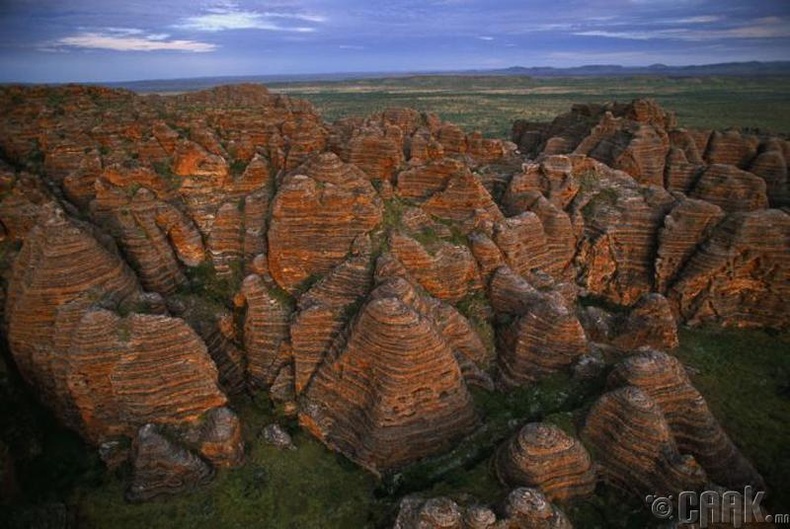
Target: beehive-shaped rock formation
<point>393,392</point>
<point>317,213</point>
<point>542,456</point>
<point>692,425</point>
<point>629,437</point>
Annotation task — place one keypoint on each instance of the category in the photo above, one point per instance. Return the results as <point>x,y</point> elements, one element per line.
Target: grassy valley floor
<point>491,103</point>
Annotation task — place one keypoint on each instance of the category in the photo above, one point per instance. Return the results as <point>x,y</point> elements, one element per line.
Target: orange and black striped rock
<point>391,392</point>
<point>619,219</point>
<point>629,437</point>
<point>527,508</point>
<point>266,338</point>
<point>542,456</point>
<point>432,269</point>
<point>317,214</point>
<point>730,188</point>
<point>687,226</point>
<point>161,467</point>
<point>738,276</point>
<point>545,336</point>
<point>694,428</point>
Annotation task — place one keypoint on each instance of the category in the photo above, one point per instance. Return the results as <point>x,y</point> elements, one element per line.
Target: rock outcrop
<point>524,508</point>
<point>392,391</point>
<point>629,437</point>
<point>160,467</point>
<point>695,430</point>
<point>650,322</point>
<point>738,276</point>
<point>545,336</point>
<point>317,213</point>
<point>542,456</point>
<point>159,253</point>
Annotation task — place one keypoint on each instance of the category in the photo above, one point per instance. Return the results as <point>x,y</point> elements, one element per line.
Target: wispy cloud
<point>114,40</point>
<point>230,17</point>
<point>351,47</point>
<point>485,37</point>
<point>769,27</point>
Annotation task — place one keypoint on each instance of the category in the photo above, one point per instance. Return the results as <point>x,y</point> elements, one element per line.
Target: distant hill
<point>744,69</point>
<point>753,68</point>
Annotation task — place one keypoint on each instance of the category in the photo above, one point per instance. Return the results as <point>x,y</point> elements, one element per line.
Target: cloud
<point>702,19</point>
<point>485,37</point>
<point>351,47</point>
<point>763,28</point>
<point>115,41</point>
<point>230,17</point>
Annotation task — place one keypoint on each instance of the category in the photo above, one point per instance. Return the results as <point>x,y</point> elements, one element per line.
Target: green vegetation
<point>204,281</point>
<point>308,487</point>
<point>744,377</point>
<point>491,103</point>
<point>605,198</point>
<point>476,308</point>
<point>165,170</point>
<point>742,374</point>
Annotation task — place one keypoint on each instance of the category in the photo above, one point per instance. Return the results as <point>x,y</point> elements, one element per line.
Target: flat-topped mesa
<point>738,276</point>
<point>628,435</point>
<point>392,392</point>
<point>545,337</point>
<point>316,216</point>
<point>692,425</point>
<point>541,455</point>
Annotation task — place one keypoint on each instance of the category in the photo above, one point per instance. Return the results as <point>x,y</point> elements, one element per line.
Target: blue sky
<point>114,40</point>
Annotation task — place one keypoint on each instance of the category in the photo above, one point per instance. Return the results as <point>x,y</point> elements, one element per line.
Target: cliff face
<point>166,252</point>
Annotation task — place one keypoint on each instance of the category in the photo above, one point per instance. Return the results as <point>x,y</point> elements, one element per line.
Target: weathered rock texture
<point>629,437</point>
<point>160,467</point>
<point>317,213</point>
<point>392,391</point>
<point>541,455</point>
<point>363,273</point>
<point>695,430</point>
<point>739,275</point>
<point>524,508</point>
<point>649,322</point>
<point>545,336</point>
